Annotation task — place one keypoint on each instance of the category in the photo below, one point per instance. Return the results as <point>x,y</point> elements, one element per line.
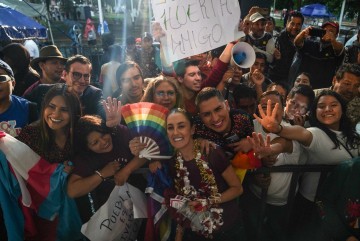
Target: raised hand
<point>257,77</point>
<point>268,120</point>
<point>112,109</point>
<point>260,146</point>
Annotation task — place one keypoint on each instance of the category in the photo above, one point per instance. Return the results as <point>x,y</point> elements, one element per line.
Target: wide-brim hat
<point>256,17</point>
<point>47,52</point>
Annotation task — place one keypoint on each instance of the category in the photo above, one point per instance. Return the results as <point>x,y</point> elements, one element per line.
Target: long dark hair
<point>346,127</point>
<point>86,125</point>
<point>73,105</point>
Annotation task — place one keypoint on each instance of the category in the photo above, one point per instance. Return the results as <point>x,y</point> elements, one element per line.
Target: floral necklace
<point>207,195</point>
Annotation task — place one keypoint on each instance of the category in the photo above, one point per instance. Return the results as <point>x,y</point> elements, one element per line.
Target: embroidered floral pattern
<point>207,193</point>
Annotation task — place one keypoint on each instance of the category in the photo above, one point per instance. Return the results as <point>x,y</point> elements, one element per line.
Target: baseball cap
<point>334,24</point>
<point>7,68</point>
<point>147,36</point>
<point>256,17</point>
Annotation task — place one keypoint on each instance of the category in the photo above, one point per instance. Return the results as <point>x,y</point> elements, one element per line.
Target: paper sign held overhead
<point>190,27</point>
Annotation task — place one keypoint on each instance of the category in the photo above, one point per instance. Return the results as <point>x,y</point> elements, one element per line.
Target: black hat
<point>7,68</point>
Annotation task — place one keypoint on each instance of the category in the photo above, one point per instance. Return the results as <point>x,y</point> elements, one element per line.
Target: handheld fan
<point>147,120</point>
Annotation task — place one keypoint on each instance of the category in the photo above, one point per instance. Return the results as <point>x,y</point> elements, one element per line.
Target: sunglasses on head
<point>4,78</point>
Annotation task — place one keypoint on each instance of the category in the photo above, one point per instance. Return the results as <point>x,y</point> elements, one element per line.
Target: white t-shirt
<point>108,71</point>
<point>321,152</point>
<point>279,187</point>
<point>32,48</point>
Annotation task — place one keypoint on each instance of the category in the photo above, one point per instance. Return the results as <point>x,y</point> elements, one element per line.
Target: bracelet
<point>278,132</point>
<point>102,177</point>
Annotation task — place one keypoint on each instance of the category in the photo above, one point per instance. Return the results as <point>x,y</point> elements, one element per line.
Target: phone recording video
<point>317,32</point>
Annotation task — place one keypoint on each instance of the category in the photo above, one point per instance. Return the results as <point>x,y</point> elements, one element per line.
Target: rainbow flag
<point>29,184</point>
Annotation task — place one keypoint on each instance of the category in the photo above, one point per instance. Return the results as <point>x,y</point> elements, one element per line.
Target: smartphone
<point>232,139</point>
<point>317,32</point>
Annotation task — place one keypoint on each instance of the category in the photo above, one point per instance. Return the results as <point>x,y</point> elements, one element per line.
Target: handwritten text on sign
<point>196,26</point>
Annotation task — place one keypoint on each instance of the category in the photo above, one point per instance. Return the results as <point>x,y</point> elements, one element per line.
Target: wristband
<point>278,132</point>
<point>102,177</point>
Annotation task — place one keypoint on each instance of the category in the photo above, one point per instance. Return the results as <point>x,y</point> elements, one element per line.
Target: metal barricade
<point>296,170</point>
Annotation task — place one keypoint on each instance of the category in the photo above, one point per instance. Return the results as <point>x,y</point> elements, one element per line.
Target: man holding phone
<point>318,53</point>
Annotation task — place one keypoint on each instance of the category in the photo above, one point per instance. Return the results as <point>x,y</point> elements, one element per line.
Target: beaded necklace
<point>207,194</point>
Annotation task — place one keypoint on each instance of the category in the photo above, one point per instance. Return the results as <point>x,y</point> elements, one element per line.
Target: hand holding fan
<point>147,120</point>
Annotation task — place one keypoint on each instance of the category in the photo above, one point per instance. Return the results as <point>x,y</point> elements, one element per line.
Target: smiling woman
<point>208,186</point>
<point>163,91</point>
<point>52,139</point>
<point>104,161</point>
<point>330,140</point>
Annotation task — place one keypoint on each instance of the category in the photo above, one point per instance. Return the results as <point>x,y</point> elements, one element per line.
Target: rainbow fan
<point>147,120</point>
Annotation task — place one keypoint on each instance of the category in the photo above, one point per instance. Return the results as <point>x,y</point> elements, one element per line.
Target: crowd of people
<point>298,104</point>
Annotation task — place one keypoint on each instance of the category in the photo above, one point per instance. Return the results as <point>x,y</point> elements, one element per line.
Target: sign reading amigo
<point>196,26</point>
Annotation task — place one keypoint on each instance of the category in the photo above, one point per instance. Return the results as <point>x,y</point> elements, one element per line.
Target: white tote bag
<point>118,218</point>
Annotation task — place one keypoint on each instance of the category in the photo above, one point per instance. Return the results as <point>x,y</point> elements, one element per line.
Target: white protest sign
<point>118,219</point>
<point>196,26</point>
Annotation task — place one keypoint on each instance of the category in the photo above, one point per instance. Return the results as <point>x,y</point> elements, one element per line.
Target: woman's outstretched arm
<point>269,122</point>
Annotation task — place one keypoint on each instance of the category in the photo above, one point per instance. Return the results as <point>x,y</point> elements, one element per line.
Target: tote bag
<point>119,218</point>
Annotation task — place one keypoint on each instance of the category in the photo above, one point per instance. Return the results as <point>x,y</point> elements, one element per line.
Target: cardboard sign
<point>190,27</point>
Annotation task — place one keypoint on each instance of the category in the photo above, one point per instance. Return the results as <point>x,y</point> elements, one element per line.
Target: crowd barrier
<point>296,170</point>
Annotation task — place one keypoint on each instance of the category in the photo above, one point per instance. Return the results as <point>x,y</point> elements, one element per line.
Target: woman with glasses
<point>163,91</point>
<point>104,160</point>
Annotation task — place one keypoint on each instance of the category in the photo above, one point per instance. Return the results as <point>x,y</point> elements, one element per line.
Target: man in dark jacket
<point>285,48</point>
<point>320,56</point>
<point>77,77</point>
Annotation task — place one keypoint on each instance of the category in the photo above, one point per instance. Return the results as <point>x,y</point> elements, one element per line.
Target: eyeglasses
<point>302,108</point>
<point>162,94</point>
<point>4,78</point>
<point>78,76</point>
